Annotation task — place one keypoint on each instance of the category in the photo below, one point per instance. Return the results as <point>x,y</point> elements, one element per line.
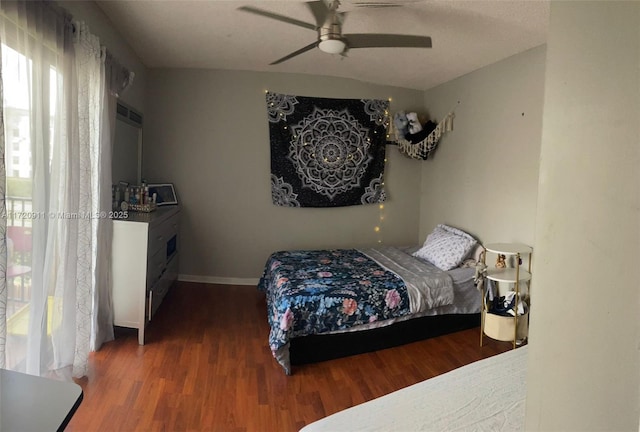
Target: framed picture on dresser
<point>165,193</point>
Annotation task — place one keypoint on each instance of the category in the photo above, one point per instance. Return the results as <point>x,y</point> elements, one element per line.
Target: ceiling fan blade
<point>278,17</point>
<point>374,40</point>
<point>383,4</point>
<point>376,5</point>
<point>320,11</point>
<point>295,53</point>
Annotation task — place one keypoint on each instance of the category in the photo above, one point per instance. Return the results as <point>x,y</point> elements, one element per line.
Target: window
<point>17,77</point>
<point>58,171</point>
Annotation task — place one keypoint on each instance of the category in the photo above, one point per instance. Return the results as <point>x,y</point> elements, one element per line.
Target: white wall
<point>207,132</point>
<point>584,366</point>
<point>483,177</point>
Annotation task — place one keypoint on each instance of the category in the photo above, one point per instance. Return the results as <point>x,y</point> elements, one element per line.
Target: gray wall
<point>484,175</point>
<point>584,363</point>
<point>208,133</point>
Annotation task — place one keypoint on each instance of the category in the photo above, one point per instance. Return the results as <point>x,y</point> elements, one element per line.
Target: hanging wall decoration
<point>326,152</point>
<point>416,140</point>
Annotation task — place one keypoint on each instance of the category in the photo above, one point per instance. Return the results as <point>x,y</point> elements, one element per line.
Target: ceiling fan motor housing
<point>331,40</point>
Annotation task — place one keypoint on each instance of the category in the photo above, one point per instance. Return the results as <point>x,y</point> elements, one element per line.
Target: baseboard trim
<point>218,280</point>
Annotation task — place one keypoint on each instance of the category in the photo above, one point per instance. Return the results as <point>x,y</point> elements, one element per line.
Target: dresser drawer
<point>161,287</point>
<point>161,242</point>
<point>157,241</point>
<point>155,264</point>
<point>161,234</point>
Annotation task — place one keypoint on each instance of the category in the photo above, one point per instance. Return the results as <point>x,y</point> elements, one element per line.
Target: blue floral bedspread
<point>311,292</point>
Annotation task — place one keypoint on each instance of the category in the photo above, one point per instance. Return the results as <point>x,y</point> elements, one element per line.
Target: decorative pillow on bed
<point>446,247</point>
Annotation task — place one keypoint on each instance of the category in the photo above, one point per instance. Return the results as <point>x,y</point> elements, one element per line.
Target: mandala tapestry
<point>326,152</point>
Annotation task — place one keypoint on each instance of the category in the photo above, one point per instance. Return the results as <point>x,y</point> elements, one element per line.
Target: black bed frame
<point>316,348</point>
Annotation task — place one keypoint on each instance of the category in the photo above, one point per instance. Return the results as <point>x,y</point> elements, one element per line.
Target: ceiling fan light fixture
<point>332,46</point>
<point>328,25</point>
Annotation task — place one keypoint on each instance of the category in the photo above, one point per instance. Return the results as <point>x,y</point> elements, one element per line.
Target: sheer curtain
<point>3,234</point>
<point>56,305</point>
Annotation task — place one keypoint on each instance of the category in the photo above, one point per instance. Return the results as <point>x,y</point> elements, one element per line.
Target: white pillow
<point>446,247</point>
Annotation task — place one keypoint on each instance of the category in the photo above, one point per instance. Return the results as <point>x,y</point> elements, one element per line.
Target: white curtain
<point>62,310</point>
<point>3,236</point>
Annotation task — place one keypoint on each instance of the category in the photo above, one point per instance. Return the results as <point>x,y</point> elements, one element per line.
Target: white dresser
<point>144,264</point>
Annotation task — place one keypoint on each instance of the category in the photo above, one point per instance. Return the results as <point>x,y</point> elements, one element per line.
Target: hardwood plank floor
<point>207,366</point>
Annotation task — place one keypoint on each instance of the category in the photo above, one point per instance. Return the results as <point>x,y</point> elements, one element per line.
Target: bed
<point>323,304</point>
<point>488,395</point>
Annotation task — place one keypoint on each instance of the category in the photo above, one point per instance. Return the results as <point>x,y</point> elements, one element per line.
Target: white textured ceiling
<point>466,35</point>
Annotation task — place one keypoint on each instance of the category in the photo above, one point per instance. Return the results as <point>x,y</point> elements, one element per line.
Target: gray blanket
<point>427,285</point>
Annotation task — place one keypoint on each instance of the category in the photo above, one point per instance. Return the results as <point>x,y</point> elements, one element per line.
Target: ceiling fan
<point>330,37</point>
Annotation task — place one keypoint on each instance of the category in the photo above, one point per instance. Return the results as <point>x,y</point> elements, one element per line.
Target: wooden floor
<point>207,367</point>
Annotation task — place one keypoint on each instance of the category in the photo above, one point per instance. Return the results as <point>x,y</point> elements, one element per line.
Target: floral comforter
<point>318,291</point>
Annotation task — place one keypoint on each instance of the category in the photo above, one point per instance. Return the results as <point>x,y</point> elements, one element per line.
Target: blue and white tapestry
<point>327,152</point>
